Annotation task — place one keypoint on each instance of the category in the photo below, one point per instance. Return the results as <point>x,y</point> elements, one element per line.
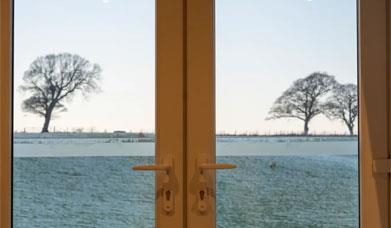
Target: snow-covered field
<point>86,181</point>
<point>58,145</point>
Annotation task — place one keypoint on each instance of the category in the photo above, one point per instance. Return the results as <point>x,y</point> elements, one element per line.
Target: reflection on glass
<point>287,113</point>
<point>83,113</point>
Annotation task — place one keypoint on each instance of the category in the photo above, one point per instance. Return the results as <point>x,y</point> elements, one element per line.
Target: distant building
<point>119,132</point>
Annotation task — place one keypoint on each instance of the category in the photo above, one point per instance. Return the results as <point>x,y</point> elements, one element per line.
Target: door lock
<point>204,191</point>
<point>168,193</point>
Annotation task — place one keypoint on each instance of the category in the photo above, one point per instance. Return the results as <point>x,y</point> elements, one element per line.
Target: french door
<point>189,109</point>
<point>72,157</point>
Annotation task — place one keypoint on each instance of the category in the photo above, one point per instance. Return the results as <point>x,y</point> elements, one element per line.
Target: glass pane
<point>84,113</point>
<point>287,113</point>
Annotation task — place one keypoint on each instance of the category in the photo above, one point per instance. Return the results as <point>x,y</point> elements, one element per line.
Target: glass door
<point>286,113</point>
<point>280,75</point>
<point>283,87</point>
<point>83,113</point>
<point>98,90</point>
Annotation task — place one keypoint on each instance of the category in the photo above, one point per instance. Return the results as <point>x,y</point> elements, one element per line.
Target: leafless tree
<point>302,99</point>
<point>53,79</point>
<point>343,105</point>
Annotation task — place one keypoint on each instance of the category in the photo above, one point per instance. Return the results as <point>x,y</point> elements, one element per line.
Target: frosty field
<point>70,182</point>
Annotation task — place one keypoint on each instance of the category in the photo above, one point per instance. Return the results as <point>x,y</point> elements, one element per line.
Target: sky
<point>262,46</point>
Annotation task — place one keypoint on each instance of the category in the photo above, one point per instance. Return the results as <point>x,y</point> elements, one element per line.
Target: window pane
<point>84,113</point>
<point>287,113</point>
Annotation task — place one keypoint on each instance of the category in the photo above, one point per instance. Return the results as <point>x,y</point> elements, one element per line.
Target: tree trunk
<point>48,116</point>
<point>351,130</point>
<point>305,127</point>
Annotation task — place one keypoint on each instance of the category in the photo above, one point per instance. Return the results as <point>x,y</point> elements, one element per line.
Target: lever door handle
<point>162,167</point>
<point>204,190</point>
<point>217,166</point>
<point>168,191</point>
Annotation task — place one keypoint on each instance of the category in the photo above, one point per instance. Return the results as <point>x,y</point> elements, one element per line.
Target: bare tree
<point>343,105</point>
<point>53,79</point>
<point>302,99</point>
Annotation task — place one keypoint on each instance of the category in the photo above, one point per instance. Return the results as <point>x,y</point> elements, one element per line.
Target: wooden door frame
<point>6,54</point>
<point>375,103</point>
<point>375,117</point>
<point>200,62</point>
<point>170,109</point>
<point>374,26</point>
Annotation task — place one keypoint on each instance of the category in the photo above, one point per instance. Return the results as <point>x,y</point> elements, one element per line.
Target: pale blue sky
<point>261,47</point>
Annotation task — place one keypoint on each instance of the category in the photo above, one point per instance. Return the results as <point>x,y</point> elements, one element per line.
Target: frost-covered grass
<point>299,191</point>
<point>280,181</point>
<point>131,144</point>
<point>62,137</point>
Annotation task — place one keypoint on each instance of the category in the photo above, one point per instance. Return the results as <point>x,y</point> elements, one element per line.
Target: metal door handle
<point>168,192</point>
<point>204,190</point>
<point>163,167</point>
<point>217,166</point>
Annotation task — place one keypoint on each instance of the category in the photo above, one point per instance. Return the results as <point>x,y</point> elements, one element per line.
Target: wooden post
<point>5,111</point>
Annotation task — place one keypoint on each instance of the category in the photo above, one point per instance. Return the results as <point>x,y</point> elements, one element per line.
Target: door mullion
<point>200,113</point>
<point>169,109</point>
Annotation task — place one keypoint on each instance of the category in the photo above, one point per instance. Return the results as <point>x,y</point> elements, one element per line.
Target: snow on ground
<point>105,144</point>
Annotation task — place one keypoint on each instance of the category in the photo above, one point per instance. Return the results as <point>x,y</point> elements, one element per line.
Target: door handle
<point>168,192</point>
<point>163,167</point>
<point>204,191</point>
<point>217,166</point>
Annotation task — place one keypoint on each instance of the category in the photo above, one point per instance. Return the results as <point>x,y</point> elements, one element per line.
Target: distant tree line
<point>54,79</point>
<point>318,93</point>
